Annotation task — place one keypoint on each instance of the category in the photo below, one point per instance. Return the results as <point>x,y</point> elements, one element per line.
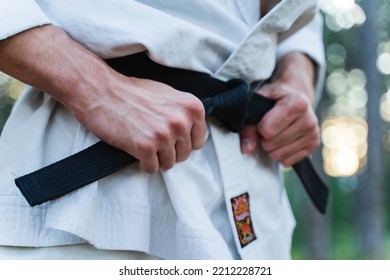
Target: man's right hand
<point>149,120</point>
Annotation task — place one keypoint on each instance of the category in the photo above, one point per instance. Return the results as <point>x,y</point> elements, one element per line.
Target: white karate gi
<point>183,213</point>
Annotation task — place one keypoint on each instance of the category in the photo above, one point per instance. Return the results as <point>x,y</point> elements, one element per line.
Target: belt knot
<point>231,105</point>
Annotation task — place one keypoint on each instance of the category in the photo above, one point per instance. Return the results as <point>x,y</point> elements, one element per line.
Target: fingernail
<point>247,145</point>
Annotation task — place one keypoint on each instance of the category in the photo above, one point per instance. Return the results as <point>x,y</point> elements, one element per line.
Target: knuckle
<point>148,167</point>
<point>146,148</point>
<point>315,140</point>
<point>300,105</point>
<point>167,165</point>
<point>199,146</point>
<point>313,120</point>
<point>316,143</point>
<point>311,125</point>
<point>178,125</point>
<point>195,107</point>
<point>163,135</point>
<point>182,157</point>
<point>196,145</point>
<point>183,151</point>
<point>266,132</point>
<point>153,169</point>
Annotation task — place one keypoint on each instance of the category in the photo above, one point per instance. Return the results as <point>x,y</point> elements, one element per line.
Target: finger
<point>248,139</point>
<point>286,137</point>
<point>166,151</point>
<point>167,157</point>
<point>150,164</point>
<point>183,148</point>
<point>288,108</point>
<point>297,150</point>
<point>299,128</point>
<point>275,122</point>
<point>198,133</point>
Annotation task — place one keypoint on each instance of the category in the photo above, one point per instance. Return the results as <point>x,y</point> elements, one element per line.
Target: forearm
<point>149,120</point>
<point>298,70</point>
<point>48,59</point>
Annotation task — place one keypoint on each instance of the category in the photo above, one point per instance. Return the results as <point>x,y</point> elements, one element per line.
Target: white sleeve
<point>19,15</point>
<point>308,40</point>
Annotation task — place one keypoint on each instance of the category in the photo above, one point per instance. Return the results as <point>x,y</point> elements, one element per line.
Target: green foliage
<point>6,101</point>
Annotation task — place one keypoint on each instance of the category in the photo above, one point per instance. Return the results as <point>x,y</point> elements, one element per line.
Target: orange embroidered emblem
<point>242,218</point>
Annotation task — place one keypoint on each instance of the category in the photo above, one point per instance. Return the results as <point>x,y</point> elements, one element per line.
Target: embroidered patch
<point>242,218</point>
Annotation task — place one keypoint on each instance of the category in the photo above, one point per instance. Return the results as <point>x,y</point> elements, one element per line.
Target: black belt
<point>233,103</point>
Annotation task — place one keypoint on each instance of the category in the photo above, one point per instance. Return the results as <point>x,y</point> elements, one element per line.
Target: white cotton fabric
<point>183,213</point>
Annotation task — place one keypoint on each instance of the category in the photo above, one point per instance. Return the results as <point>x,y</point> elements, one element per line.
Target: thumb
<point>248,139</point>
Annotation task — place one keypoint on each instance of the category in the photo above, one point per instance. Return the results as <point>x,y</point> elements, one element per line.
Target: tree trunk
<point>370,208</point>
<point>317,233</point>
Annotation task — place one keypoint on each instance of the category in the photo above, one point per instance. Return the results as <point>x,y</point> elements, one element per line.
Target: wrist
<point>297,70</point>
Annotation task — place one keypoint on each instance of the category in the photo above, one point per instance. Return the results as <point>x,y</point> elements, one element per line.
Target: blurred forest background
<point>354,114</point>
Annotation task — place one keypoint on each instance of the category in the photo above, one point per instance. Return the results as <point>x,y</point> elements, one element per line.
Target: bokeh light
<point>383,63</point>
<point>345,145</point>
<point>342,14</point>
<point>385,106</point>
